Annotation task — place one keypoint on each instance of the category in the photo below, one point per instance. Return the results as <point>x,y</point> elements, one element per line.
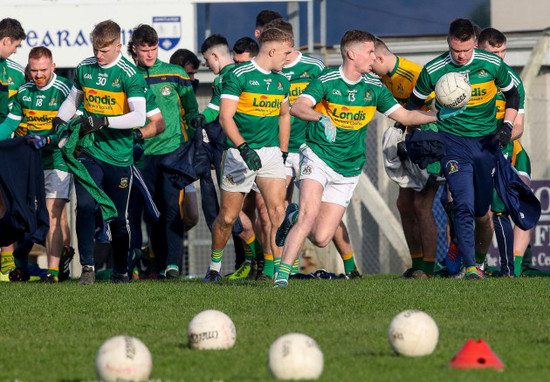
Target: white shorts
<point>57,184</point>
<point>237,177</point>
<point>190,188</point>
<point>338,189</point>
<point>292,165</point>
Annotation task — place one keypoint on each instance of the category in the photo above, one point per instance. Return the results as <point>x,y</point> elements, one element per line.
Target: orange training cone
<point>476,355</point>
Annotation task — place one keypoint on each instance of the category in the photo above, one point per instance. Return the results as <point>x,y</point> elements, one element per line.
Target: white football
<point>211,329</point>
<point>413,333</point>
<point>295,356</point>
<point>453,90</point>
<point>123,358</point>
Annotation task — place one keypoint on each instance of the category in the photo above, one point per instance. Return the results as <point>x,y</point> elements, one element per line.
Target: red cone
<point>476,355</point>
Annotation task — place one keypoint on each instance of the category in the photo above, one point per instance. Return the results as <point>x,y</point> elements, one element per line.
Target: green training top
<point>300,73</point>
<point>106,92</point>
<point>260,94</point>
<point>175,97</point>
<point>35,108</point>
<point>486,73</point>
<point>350,106</point>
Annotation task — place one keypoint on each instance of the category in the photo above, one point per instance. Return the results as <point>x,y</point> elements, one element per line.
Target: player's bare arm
<point>302,108</point>
<point>517,130</point>
<point>155,126</point>
<point>228,108</point>
<point>413,117</point>
<point>284,126</point>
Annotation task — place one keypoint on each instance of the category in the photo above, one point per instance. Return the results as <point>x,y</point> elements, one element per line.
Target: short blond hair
<point>275,34</point>
<point>105,33</point>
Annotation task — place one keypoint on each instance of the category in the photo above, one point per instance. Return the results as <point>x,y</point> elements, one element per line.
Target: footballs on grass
<point>453,90</point>
<point>211,329</point>
<point>295,356</point>
<point>123,358</point>
<point>413,333</point>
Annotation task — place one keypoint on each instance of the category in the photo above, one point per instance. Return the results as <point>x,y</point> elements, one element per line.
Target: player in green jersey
<point>114,103</point>
<point>11,77</point>
<point>517,240</point>
<point>340,103</point>
<point>416,195</point>
<point>35,105</point>
<point>472,138</point>
<point>300,71</point>
<point>254,114</point>
<point>217,55</point>
<point>176,99</point>
<point>244,50</point>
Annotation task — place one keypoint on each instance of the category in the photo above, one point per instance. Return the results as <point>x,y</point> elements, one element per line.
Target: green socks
<point>295,267</point>
<point>216,259</point>
<point>268,265</point>
<point>252,248</point>
<point>54,272</point>
<point>417,260</point>
<point>480,257</point>
<point>284,271</point>
<point>276,263</point>
<point>428,266</point>
<point>349,262</point>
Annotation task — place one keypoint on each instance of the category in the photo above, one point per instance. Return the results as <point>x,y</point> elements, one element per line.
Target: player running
<point>340,103</point>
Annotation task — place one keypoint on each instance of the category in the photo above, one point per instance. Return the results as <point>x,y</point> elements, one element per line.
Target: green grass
<point>52,332</point>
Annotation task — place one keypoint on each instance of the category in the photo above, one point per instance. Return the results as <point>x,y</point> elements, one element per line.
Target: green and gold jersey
<point>12,76</point>
<point>501,100</point>
<point>176,99</point>
<point>106,91</point>
<point>35,108</point>
<point>300,73</point>
<point>350,106</point>
<point>260,94</point>
<point>212,111</point>
<point>400,82</point>
<point>486,73</point>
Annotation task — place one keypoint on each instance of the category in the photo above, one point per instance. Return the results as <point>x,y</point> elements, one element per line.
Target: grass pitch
<point>52,332</point>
